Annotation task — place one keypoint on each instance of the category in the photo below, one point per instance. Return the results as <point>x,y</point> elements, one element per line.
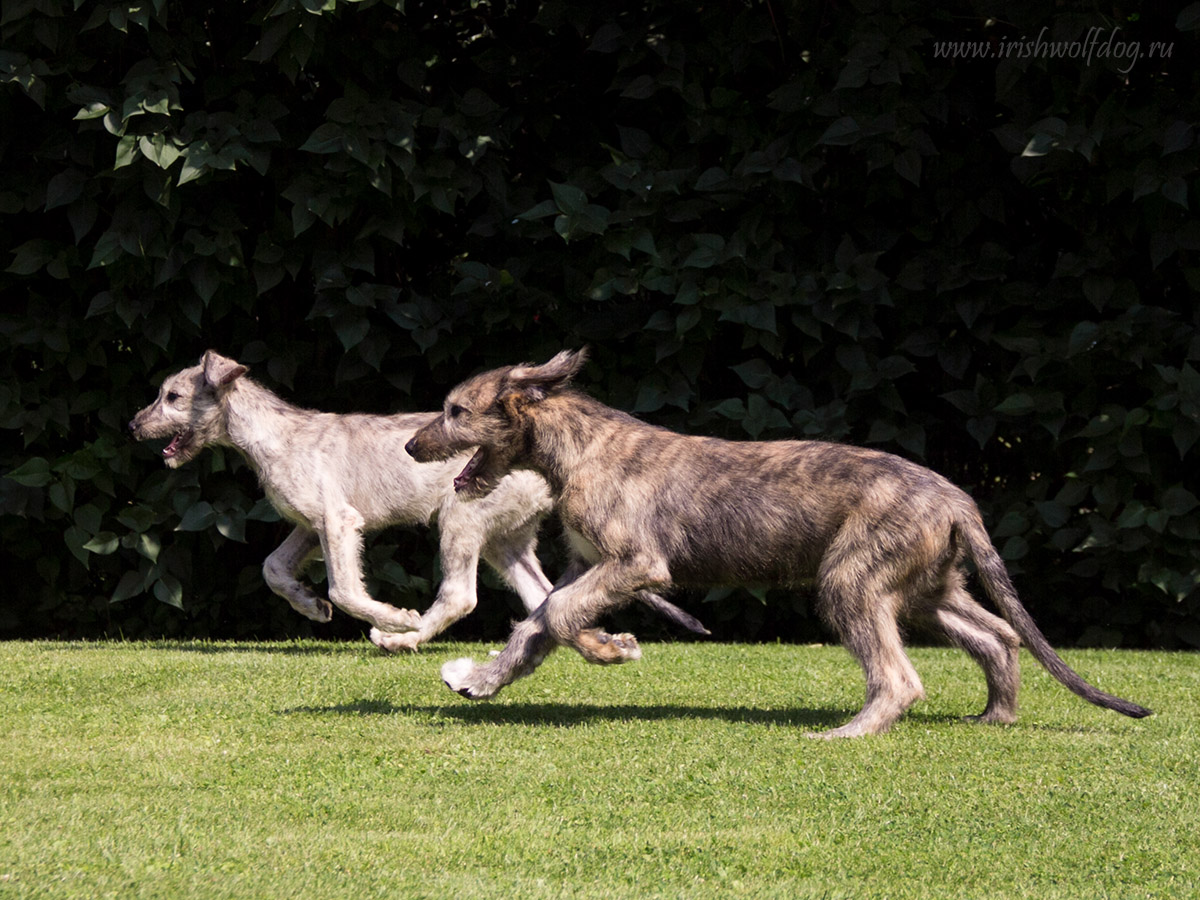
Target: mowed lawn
<point>323,770</point>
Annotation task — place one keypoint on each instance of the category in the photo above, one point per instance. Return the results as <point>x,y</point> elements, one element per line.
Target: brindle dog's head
<point>490,412</point>
<point>188,409</point>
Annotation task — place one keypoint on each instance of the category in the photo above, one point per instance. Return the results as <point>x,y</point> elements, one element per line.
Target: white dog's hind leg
<point>514,556</point>
<point>282,569</point>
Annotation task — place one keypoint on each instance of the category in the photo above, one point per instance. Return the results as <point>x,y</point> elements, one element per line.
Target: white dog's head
<point>188,408</point>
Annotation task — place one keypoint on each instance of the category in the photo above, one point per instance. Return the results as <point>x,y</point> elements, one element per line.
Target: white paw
<point>391,642</point>
<point>457,673</point>
<point>398,621</point>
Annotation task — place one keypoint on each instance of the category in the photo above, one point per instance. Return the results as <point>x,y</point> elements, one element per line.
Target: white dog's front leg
<point>456,595</point>
<point>341,541</point>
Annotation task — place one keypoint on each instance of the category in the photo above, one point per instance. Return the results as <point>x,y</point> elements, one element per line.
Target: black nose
<point>133,424</point>
<point>411,446</point>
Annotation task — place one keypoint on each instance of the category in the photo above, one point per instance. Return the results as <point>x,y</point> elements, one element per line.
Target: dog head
<point>188,408</point>
<point>491,412</point>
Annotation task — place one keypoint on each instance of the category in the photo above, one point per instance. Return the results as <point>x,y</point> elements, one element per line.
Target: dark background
<point>934,232</point>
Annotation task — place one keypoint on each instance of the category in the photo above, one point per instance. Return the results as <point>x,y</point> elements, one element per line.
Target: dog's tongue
<point>463,478</point>
<point>172,448</point>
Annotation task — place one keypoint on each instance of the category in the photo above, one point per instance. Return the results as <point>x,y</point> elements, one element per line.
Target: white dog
<point>338,476</point>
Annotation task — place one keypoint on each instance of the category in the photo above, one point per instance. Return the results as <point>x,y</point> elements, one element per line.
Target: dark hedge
<point>964,239</point>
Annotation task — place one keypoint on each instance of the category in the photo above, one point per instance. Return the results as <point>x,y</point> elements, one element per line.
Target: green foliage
<point>767,220</point>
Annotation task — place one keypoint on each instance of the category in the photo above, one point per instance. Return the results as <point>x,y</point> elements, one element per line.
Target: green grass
<point>181,770</point>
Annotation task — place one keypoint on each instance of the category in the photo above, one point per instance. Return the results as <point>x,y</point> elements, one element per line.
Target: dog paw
<point>398,621</point>
<point>313,608</point>
<point>627,646</point>
<point>606,649</point>
<point>461,677</point>
<point>391,642</point>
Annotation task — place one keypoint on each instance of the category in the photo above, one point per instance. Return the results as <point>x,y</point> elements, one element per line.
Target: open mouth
<point>467,477</point>
<point>179,444</point>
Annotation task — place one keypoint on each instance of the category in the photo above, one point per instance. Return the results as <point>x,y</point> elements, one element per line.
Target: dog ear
<point>525,385</point>
<point>549,377</point>
<point>219,370</point>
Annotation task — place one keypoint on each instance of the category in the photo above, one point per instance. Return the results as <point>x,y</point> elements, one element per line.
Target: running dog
<point>337,476</point>
<point>647,509</point>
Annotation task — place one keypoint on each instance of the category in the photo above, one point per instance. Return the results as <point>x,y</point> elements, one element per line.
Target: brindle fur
<point>882,538</point>
<point>336,477</point>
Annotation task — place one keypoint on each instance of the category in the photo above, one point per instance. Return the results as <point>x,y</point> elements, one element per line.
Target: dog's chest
<point>285,509</point>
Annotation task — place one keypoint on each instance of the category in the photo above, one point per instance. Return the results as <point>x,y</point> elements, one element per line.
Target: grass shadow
<point>569,715</point>
<point>219,647</point>
<point>274,648</point>
<point>566,715</point>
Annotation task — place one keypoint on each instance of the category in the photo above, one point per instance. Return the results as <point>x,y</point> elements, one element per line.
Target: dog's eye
<point>172,396</point>
<point>456,411</point>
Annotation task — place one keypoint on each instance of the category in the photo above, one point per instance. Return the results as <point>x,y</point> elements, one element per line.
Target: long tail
<point>671,612</point>
<point>1002,593</point>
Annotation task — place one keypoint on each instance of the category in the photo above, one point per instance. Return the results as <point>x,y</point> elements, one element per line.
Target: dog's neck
<point>566,431</point>
<point>256,421</point>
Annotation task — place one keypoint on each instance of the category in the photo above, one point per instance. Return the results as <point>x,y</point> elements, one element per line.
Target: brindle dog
<point>647,509</point>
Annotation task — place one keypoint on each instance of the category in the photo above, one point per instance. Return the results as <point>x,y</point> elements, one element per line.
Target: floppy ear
<point>221,370</point>
<point>524,385</point>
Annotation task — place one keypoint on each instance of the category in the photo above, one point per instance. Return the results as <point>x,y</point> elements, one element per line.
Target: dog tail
<point>999,587</point>
<point>671,612</point>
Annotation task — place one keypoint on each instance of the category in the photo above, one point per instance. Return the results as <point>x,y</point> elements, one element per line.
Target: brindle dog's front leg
<point>564,618</point>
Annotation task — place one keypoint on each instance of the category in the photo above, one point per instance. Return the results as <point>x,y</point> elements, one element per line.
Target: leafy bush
<point>767,221</point>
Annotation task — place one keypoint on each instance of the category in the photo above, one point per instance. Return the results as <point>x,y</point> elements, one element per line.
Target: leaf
<point>198,517</point>
<point>1178,136</point>
<point>569,199</point>
<point>169,591</point>
<point>1188,18</point>
<point>1083,337</point>
<point>842,133</point>
<point>1039,145</point>
<point>981,428</point>
<point>327,138</point>
<point>159,150</point>
<point>755,373</point>
<point>1018,404</point>
<point>908,166</point>
<point>149,546</point>
<point>1053,513</point>
<point>1014,548</point>
<point>708,252</point>
<point>640,88</point>
<point>351,328</point>
<point>32,473</point>
<point>1178,501</point>
<point>127,150</point>
<point>733,408</point>
<point>31,256</point>
<point>65,187</point>
<point>540,211</point>
<point>103,544</point>
<point>1175,189</point>
<point>712,179</point>
<point>130,585</point>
